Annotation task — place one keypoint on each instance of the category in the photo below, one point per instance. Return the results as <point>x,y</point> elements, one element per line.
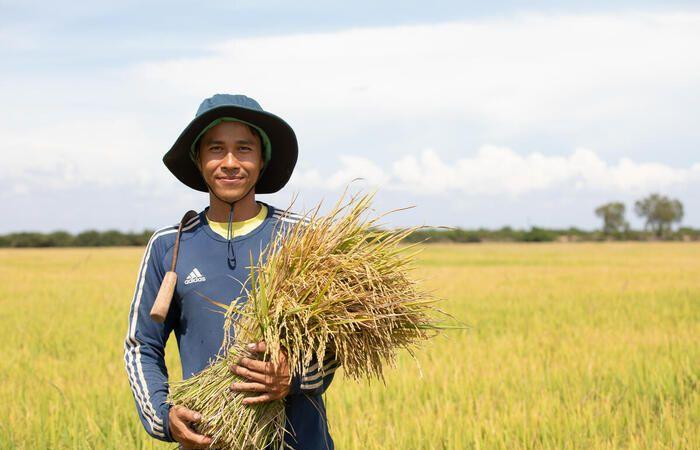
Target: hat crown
<point>217,100</point>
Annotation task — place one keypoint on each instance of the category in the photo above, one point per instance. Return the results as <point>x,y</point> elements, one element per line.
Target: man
<point>232,150</point>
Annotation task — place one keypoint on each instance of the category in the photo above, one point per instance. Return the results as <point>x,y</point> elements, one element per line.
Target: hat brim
<point>283,141</point>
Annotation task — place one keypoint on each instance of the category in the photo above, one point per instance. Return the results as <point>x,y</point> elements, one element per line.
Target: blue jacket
<point>203,270</point>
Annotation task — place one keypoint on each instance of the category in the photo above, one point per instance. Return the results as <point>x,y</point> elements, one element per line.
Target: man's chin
<point>231,194</point>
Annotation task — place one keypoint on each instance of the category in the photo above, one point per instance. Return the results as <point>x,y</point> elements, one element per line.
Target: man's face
<point>230,159</point>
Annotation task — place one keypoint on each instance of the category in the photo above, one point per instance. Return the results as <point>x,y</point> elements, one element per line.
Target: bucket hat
<point>283,147</point>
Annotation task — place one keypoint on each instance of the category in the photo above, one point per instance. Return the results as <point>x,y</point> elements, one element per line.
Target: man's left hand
<point>270,380</point>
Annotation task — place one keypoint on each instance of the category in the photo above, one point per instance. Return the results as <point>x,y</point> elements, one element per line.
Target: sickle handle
<point>167,287</point>
<point>165,295</point>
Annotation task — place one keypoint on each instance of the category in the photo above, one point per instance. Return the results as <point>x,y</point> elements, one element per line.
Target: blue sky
<point>478,113</point>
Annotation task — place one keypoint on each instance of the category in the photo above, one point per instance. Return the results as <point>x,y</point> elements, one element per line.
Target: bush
<point>539,235</point>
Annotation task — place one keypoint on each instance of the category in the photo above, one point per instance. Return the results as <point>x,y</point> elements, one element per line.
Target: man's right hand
<point>180,418</point>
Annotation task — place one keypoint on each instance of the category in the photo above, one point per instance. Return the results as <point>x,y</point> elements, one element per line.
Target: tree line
<point>90,238</point>
<point>659,214</point>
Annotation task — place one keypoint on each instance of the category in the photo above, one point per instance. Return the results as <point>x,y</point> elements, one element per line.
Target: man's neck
<point>244,209</point>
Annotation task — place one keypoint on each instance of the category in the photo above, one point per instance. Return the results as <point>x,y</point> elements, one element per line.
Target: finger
<point>258,399</point>
<point>265,366</point>
<point>186,415</point>
<point>256,365</point>
<point>251,375</point>
<point>248,387</point>
<point>257,346</point>
<point>194,440</point>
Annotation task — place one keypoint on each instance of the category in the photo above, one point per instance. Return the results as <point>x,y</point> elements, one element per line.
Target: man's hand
<point>270,380</point>
<point>180,418</point>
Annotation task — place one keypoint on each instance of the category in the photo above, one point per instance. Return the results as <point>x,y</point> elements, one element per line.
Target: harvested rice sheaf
<point>336,285</point>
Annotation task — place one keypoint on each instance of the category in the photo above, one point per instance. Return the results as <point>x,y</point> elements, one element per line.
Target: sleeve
<point>315,381</point>
<point>144,346</point>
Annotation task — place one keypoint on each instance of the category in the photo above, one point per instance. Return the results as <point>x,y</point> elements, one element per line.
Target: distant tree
<point>659,212</point>
<point>114,238</point>
<point>90,238</point>
<point>60,239</point>
<point>537,234</point>
<point>143,237</point>
<point>613,215</point>
<point>29,239</point>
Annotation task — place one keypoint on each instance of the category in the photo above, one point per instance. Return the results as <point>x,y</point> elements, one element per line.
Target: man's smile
<point>234,179</point>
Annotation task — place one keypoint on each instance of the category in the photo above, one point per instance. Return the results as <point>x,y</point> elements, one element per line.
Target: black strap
<point>231,254</point>
<point>186,218</point>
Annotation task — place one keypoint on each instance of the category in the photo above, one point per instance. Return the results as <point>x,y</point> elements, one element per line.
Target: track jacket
<point>203,270</point>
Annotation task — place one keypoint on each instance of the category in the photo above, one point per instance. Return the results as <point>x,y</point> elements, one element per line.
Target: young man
<point>233,150</point>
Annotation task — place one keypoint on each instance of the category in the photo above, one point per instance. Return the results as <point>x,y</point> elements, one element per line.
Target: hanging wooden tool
<point>167,287</point>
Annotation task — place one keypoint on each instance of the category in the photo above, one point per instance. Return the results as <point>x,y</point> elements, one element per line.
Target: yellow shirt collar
<point>239,228</point>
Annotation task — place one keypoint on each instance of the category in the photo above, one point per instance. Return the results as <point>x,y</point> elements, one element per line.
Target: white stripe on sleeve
<point>133,347</point>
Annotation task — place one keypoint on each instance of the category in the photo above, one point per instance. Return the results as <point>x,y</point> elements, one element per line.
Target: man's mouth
<point>234,179</point>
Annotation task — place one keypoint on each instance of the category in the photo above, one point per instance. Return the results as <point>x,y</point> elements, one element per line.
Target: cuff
<point>165,414</point>
<point>295,385</point>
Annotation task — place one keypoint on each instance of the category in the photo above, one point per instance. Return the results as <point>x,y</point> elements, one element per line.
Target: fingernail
<point>197,416</point>
<point>251,346</point>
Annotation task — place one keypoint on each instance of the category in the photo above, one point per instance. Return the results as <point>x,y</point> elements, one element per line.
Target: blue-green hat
<point>280,148</point>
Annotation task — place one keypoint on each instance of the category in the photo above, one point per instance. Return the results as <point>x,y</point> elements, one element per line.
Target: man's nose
<point>230,161</point>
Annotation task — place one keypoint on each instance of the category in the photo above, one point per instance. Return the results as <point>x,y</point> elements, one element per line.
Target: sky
<point>474,114</point>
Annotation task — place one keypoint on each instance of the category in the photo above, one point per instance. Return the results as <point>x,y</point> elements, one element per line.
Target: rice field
<point>569,346</point>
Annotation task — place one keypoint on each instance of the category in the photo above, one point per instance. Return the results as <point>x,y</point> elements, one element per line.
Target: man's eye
<point>215,149</point>
<point>245,148</point>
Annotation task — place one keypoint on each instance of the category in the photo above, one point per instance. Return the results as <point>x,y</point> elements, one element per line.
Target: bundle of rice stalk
<point>338,285</point>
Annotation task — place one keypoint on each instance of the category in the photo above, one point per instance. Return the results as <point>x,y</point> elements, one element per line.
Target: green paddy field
<point>570,346</point>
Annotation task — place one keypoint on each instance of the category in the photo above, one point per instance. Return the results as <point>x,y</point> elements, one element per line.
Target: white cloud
<point>68,153</point>
<point>353,167</point>
<point>502,171</point>
<point>516,74</point>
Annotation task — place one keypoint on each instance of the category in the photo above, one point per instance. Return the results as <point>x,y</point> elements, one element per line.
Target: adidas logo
<point>195,277</point>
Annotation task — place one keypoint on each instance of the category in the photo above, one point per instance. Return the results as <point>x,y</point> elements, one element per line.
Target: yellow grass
<point>572,346</point>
